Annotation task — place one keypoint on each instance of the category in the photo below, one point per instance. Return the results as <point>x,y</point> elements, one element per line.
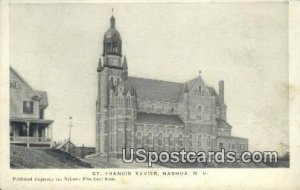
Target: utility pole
<point>70,126</point>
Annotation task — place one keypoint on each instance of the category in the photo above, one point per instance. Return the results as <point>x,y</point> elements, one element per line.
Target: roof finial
<point>199,73</point>
<point>112,19</point>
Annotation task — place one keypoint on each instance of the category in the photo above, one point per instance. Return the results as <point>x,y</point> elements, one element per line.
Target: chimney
<point>221,91</point>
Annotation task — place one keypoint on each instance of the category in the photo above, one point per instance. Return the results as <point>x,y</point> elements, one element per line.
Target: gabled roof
<point>162,119</point>
<point>156,89</point>
<point>65,143</point>
<point>26,83</point>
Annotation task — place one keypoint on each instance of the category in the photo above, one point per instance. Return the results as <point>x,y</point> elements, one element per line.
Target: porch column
<point>12,131</point>
<point>27,130</point>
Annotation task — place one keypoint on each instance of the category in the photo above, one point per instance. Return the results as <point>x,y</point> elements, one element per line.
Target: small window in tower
<point>200,111</point>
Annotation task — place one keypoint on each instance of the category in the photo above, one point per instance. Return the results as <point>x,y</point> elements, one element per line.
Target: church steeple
<point>112,42</point>
<point>112,21</point>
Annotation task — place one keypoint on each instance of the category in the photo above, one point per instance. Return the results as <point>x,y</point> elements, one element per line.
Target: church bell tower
<point>111,71</point>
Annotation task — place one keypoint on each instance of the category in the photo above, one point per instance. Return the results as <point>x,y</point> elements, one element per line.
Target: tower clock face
<point>115,62</point>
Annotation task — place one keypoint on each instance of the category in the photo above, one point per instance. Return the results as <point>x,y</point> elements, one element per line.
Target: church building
<point>157,115</point>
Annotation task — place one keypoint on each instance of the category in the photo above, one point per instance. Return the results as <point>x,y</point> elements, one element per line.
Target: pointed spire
<point>99,65</point>
<point>112,19</point>
<point>125,63</point>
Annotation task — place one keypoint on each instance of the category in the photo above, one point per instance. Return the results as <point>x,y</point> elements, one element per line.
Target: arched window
<point>150,140</point>
<point>160,140</point>
<point>200,111</point>
<point>139,139</point>
<point>191,141</point>
<point>199,141</point>
<point>208,141</point>
<point>118,81</point>
<point>200,88</point>
<point>111,80</point>
<point>199,108</point>
<point>180,140</point>
<point>171,140</point>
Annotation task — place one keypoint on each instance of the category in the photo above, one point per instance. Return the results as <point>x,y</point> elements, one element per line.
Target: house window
<point>13,84</point>
<point>41,114</point>
<point>28,107</point>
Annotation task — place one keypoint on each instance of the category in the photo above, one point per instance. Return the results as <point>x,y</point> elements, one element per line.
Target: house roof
<point>156,89</point>
<point>163,119</point>
<point>64,144</point>
<point>42,95</point>
<point>31,120</point>
<point>24,81</point>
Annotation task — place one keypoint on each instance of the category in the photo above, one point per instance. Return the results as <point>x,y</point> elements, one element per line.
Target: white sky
<point>56,47</point>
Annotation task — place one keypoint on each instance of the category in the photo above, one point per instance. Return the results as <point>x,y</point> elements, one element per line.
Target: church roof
<point>156,89</point>
<point>222,123</point>
<point>164,90</point>
<point>162,119</point>
<point>112,33</point>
